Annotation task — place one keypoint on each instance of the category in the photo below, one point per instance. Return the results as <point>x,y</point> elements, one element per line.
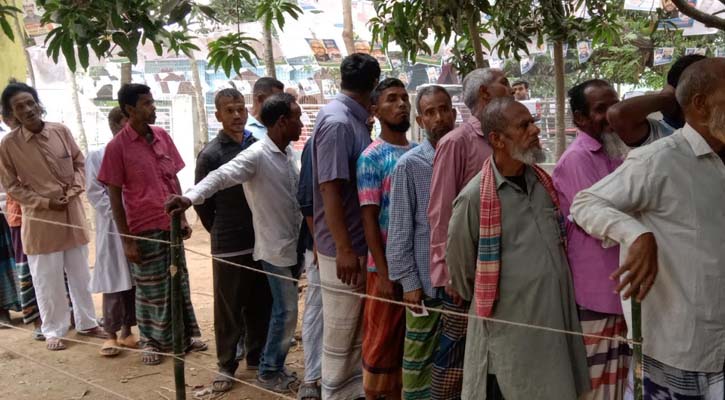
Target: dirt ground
<point>21,378</point>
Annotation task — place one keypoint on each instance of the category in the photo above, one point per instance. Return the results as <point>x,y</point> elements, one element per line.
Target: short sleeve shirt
<point>658,129</point>
<point>339,138</point>
<point>374,177</point>
<point>146,173</point>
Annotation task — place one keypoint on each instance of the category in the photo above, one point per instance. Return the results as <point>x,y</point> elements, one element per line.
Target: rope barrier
<point>142,351</point>
<point>66,373</point>
<point>363,295</point>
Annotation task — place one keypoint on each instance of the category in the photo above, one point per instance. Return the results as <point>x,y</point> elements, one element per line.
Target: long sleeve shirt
<point>408,248</point>
<point>270,180</point>
<point>459,156</point>
<point>535,288</point>
<point>673,188</point>
<point>36,168</point>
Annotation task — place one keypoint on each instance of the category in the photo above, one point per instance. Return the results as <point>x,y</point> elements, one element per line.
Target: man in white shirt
<point>665,204</point>
<point>270,178</point>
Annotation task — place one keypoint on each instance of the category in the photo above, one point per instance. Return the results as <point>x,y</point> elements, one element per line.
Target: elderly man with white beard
<point>593,155</point>
<point>665,205</point>
<point>506,252</point>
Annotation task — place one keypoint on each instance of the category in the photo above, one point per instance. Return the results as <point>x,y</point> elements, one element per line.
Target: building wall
<point>13,64</point>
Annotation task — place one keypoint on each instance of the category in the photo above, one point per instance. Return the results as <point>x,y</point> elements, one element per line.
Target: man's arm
<point>79,165</point>
<point>21,193</point>
<point>462,249</point>
<point>348,269</point>
<point>605,211</point>
<point>130,247</point>
<point>237,171</point>
<point>374,239</point>
<point>628,118</point>
<point>207,209</point>
<point>400,251</point>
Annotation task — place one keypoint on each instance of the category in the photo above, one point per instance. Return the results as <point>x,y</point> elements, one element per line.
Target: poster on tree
<point>584,50</point>
<point>329,89</point>
<point>674,19</point>
<point>696,50</point>
<point>526,63</point>
<point>663,55</point>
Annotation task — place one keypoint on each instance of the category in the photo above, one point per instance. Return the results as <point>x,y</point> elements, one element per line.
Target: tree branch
<point>698,15</point>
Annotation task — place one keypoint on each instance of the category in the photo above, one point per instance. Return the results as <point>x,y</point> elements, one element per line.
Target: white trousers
<point>47,272</point>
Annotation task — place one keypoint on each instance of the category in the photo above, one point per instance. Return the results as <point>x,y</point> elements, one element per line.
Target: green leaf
<point>83,56</point>
<point>6,28</point>
<point>69,53</point>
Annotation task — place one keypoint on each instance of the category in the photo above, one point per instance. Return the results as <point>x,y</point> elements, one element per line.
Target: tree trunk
<point>475,35</point>
<point>202,131</point>
<point>560,99</point>
<point>28,62</point>
<point>125,73</point>
<point>347,32</point>
<point>82,140</point>
<point>269,53</point>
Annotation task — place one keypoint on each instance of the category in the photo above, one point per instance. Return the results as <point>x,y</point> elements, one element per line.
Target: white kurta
<point>112,272</point>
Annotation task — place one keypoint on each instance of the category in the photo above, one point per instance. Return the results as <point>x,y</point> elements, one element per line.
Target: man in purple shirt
<point>339,138</point>
<point>595,153</point>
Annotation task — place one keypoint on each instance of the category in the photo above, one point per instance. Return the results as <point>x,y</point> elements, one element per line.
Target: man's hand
<point>130,248</point>
<point>348,268</point>
<point>385,287</point>
<point>414,298</point>
<point>59,204</point>
<point>455,297</point>
<point>641,268</point>
<point>176,204</point>
<point>185,228</point>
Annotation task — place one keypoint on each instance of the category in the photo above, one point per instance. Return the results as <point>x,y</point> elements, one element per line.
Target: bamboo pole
<point>177,322</point>
<point>637,336</point>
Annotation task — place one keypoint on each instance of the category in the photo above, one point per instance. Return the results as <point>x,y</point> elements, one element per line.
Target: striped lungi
<point>421,343</point>
<point>25,282</point>
<point>608,360</point>
<point>447,377</point>
<point>663,382</point>
<point>153,293</point>
<point>382,347</point>
<point>8,282</point>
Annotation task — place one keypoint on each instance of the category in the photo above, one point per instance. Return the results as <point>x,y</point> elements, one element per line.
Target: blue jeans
<point>312,321</point>
<point>283,320</point>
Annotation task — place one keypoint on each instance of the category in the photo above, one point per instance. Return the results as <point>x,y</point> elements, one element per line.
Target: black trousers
<point>242,306</point>
<point>493,391</point>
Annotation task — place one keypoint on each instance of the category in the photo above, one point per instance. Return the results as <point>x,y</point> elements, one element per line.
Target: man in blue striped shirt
<point>408,250</point>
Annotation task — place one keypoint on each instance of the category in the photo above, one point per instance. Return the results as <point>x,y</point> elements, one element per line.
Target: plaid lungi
<point>153,293</point>
<point>608,360</point>
<point>28,303</point>
<point>447,378</point>
<point>421,342</point>
<point>8,282</point>
<point>663,382</point>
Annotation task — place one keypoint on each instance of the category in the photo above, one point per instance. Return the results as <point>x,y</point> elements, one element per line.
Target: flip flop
<point>38,335</point>
<point>55,344</point>
<point>94,332</point>
<point>196,345</point>
<point>221,384</point>
<point>109,349</point>
<point>149,357</point>
<point>130,342</point>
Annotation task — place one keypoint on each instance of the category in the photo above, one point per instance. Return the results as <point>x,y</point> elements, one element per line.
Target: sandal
<point>95,332</point>
<point>130,342</point>
<point>310,391</point>
<point>149,357</point>
<point>55,344</point>
<point>222,383</point>
<point>109,348</point>
<point>38,335</point>
<point>196,345</point>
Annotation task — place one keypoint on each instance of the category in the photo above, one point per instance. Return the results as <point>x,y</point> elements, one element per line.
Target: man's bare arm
<point>119,215</point>
<point>348,270</point>
<point>628,118</point>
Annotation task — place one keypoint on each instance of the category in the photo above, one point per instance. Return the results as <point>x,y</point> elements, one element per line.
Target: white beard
<point>716,124</point>
<point>615,148</point>
<point>530,156</point>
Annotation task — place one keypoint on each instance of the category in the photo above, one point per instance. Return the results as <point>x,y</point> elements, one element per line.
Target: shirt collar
<point>476,125</point>
<point>357,110</point>
<point>501,180</point>
<point>427,149</point>
<point>133,135</point>
<point>226,139</point>
<point>588,142</point>
<point>271,145</point>
<point>696,141</point>
<point>253,121</point>
<point>27,134</point>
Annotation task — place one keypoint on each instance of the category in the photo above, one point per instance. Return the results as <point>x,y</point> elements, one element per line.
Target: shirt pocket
<point>65,168</point>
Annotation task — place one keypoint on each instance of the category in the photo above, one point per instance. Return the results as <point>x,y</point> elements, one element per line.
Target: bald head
<point>700,79</point>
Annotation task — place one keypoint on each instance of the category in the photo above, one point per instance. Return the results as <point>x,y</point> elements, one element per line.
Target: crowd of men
<point>465,222</point>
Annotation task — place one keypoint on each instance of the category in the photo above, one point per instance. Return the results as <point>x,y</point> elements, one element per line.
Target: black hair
<point>673,76</point>
<point>430,91</point>
<point>526,84</point>
<point>13,88</point>
<point>577,98</point>
<point>275,107</point>
<point>129,94</point>
<point>382,86</point>
<point>266,85</point>
<point>229,93</point>
<point>359,72</point>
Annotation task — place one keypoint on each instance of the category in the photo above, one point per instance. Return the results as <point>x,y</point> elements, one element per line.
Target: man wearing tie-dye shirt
<point>384,323</point>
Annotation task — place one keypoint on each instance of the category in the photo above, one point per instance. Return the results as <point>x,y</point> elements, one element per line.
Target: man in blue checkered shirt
<point>408,249</point>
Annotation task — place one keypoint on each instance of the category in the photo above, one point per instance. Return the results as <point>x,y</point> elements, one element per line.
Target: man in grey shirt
<point>664,207</point>
<point>534,281</point>
<point>339,138</point>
